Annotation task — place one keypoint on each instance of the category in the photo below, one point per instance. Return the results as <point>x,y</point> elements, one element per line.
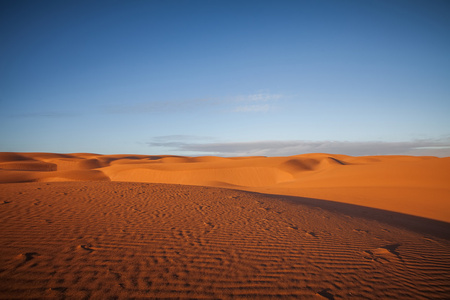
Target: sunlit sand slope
<point>103,240</point>
<point>413,185</point>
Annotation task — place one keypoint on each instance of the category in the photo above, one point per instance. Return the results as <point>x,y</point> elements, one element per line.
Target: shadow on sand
<point>416,224</point>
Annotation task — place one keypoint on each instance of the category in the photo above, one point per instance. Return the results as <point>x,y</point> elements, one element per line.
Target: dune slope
<point>102,239</point>
<point>417,186</point>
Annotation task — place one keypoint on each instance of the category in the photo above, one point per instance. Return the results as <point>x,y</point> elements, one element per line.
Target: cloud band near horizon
<point>436,147</point>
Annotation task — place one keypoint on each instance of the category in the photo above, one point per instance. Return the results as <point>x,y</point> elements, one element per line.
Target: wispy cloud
<point>180,137</point>
<point>439,147</point>
<point>259,97</point>
<point>257,102</point>
<point>45,114</point>
<point>253,108</point>
<point>177,141</point>
<point>158,106</point>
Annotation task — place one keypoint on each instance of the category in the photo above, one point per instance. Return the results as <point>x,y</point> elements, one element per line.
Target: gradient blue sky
<point>357,77</point>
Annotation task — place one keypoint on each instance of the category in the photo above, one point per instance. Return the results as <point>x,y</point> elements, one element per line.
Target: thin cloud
<point>258,102</point>
<point>259,97</point>
<point>181,137</point>
<point>45,114</point>
<point>286,148</point>
<point>158,106</point>
<point>177,141</point>
<point>253,108</point>
<point>255,103</point>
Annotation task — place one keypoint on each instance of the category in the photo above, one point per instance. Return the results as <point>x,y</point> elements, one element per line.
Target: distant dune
<point>315,226</point>
<point>419,186</point>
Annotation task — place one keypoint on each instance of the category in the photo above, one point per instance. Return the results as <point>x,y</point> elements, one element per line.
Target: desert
<point>312,226</point>
<point>228,149</point>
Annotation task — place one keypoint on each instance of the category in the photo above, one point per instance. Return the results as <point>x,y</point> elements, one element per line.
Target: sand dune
<point>315,226</point>
<point>99,239</point>
<point>414,185</point>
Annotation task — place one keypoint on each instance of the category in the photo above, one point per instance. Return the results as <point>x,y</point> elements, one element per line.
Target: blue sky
<point>226,77</point>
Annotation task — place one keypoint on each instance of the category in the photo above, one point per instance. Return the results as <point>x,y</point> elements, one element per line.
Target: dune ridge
<point>413,185</point>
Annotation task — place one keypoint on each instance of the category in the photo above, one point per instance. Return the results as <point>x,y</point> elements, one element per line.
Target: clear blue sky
<point>226,77</point>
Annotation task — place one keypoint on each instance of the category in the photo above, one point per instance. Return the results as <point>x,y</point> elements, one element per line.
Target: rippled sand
<point>315,226</point>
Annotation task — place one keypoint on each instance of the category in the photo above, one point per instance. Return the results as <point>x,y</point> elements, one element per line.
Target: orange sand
<point>137,226</point>
<point>417,186</point>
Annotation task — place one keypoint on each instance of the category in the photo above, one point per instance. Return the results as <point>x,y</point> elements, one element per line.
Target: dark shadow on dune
<point>419,225</point>
<point>337,161</point>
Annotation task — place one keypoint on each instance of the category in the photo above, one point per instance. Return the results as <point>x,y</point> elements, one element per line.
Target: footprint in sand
<point>311,233</point>
<point>28,256</point>
<point>326,294</point>
<point>384,254</point>
<point>25,258</point>
<point>209,224</point>
<point>58,289</point>
<point>85,247</point>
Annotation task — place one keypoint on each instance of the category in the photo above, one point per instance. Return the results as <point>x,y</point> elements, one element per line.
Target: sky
<point>225,78</point>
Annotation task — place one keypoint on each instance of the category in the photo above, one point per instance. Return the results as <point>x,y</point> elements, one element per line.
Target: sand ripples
<point>133,240</point>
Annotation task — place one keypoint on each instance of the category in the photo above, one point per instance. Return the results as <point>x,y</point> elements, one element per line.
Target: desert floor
<point>312,226</point>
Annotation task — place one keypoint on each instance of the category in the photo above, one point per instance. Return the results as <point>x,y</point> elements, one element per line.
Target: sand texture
<point>418,186</point>
<point>314,226</point>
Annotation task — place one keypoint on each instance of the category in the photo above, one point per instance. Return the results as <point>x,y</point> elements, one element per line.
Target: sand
<point>314,226</point>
